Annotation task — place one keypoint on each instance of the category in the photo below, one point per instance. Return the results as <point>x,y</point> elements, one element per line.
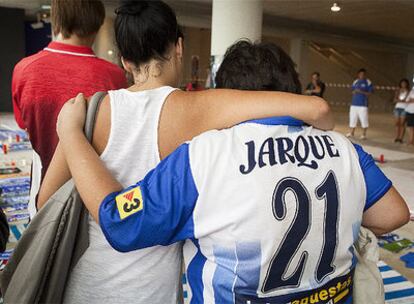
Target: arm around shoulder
<point>192,113</point>
<point>222,108</point>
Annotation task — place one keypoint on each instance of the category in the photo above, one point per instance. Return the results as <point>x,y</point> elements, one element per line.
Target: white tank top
<point>152,275</point>
<point>401,97</point>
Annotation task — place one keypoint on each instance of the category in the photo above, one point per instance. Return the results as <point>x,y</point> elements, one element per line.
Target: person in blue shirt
<point>270,209</point>
<point>361,89</point>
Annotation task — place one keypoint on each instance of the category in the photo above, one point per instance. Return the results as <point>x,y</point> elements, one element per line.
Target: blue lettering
<point>302,159</point>
<point>270,145</point>
<point>283,152</point>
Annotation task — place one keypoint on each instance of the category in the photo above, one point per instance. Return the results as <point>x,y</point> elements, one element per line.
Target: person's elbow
<point>323,118</point>
<point>396,223</point>
<point>400,219</point>
<point>388,214</point>
<point>325,109</point>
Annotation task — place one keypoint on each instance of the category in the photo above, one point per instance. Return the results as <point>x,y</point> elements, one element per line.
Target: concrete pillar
<point>233,20</point>
<point>299,52</point>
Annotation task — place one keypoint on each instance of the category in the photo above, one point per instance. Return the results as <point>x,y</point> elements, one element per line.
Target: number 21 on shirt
<point>327,193</point>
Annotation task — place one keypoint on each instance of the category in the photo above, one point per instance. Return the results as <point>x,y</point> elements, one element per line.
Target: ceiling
<point>391,20</point>
<point>388,18</point>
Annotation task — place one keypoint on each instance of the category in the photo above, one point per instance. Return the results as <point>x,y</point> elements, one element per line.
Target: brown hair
<point>80,17</point>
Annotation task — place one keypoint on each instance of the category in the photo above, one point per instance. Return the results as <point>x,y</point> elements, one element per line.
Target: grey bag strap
<point>93,107</point>
<point>82,238</point>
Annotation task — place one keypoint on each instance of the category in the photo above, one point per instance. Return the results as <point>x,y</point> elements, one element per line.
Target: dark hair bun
<point>145,30</point>
<point>131,7</point>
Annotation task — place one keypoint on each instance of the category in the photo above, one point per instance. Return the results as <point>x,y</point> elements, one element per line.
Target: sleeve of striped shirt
<point>354,85</point>
<point>376,183</point>
<point>155,211</point>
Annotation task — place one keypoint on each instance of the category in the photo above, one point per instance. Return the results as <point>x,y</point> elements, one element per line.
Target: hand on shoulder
<point>71,117</point>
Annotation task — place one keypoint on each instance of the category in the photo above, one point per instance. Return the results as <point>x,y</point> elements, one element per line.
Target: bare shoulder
<point>174,113</point>
<point>183,103</point>
<point>177,96</point>
<point>175,105</point>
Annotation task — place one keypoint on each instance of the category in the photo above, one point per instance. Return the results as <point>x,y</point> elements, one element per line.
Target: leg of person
<point>397,125</point>
<point>410,127</point>
<point>353,119</point>
<point>410,136</point>
<point>403,120</point>
<point>363,118</point>
<point>364,133</point>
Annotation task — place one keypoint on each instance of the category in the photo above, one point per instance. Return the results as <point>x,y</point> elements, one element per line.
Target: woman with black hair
<point>138,126</point>
<point>399,110</point>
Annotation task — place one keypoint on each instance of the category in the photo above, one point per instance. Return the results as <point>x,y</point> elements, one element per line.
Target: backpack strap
<point>93,108</point>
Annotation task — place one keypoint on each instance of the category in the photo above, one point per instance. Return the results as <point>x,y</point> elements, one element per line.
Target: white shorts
<point>358,113</point>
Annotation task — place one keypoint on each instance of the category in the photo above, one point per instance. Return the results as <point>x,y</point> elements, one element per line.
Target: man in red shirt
<point>42,83</point>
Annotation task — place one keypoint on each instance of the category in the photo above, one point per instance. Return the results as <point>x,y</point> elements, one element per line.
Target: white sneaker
<point>363,137</point>
<point>349,135</point>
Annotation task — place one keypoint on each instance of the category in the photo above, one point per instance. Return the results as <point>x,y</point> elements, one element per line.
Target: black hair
<point>406,81</point>
<point>316,73</point>
<point>362,71</point>
<point>256,67</point>
<point>145,30</point>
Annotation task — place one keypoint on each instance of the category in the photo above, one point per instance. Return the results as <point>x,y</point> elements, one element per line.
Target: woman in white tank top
<point>399,110</point>
<point>138,126</point>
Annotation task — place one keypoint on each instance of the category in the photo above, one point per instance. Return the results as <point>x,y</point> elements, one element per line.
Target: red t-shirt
<point>42,83</point>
